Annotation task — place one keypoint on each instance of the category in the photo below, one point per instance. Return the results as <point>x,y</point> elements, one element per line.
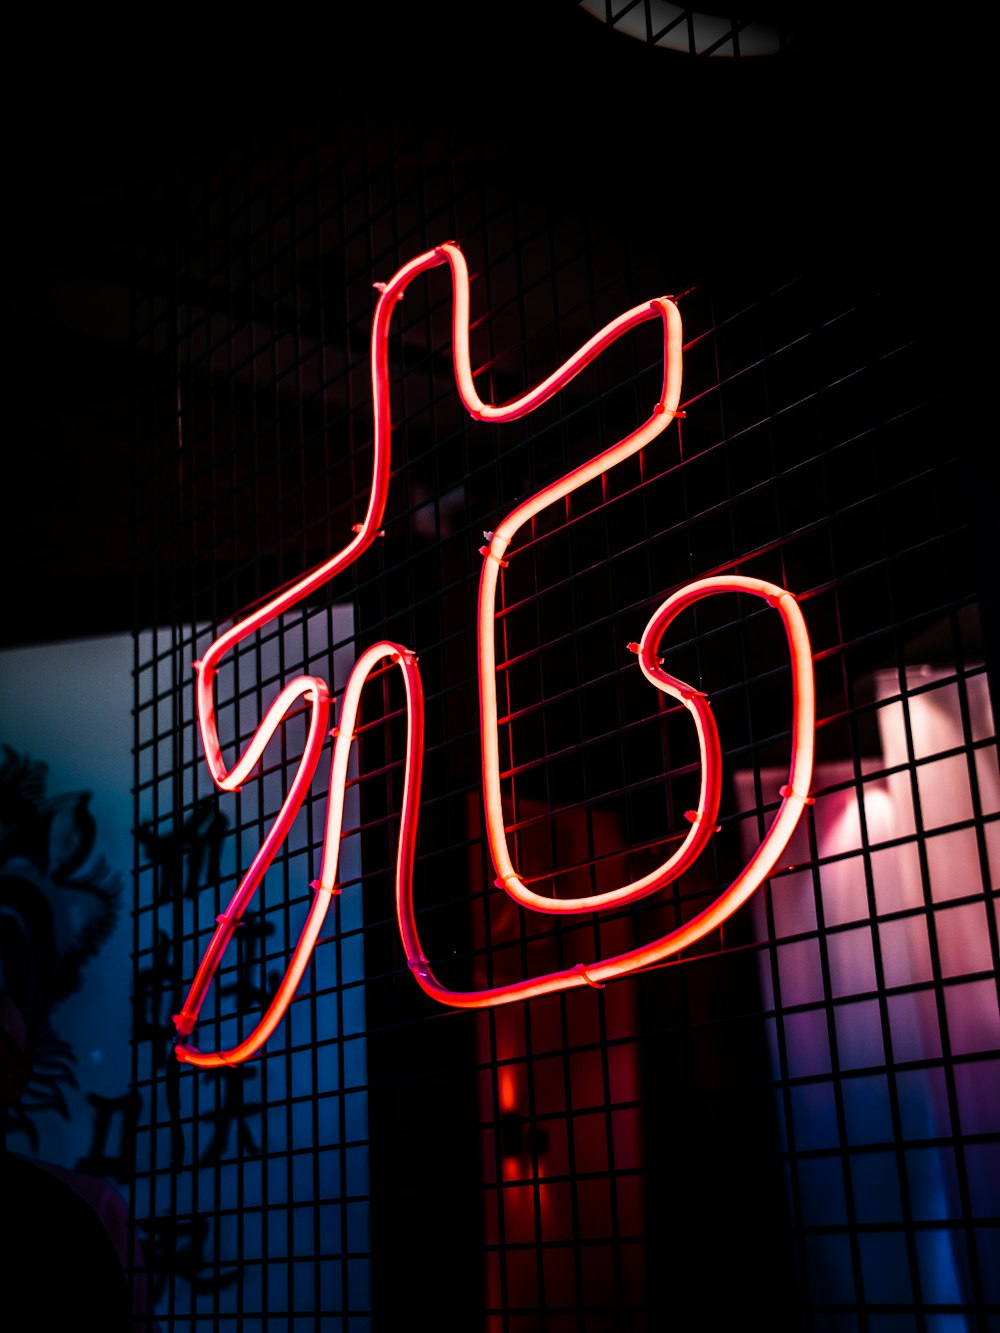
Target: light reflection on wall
<point>284,1140</point>
<point>880,976</point>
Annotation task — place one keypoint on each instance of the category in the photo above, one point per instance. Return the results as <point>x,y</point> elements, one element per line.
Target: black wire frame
<point>797,1117</point>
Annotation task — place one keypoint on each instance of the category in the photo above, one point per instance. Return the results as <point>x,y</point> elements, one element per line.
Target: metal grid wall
<point>801,1118</point>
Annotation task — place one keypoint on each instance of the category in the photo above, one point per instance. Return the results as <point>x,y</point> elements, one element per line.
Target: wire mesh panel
<point>797,1114</point>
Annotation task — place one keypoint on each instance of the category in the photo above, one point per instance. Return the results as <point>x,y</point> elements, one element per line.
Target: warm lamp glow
<point>314,694</point>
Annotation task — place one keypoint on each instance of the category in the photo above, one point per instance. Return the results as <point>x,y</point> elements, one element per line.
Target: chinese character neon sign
<point>313,693</point>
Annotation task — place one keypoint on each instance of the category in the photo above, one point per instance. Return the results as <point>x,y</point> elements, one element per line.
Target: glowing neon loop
<point>314,693</point>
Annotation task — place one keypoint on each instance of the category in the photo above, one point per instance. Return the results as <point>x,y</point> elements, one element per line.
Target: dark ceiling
<point>843,143</point>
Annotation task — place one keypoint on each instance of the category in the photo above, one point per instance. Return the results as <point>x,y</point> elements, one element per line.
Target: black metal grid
<point>696,33</point>
<point>739,1130</point>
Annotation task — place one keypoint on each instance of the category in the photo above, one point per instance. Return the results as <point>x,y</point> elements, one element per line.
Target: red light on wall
<point>313,692</point>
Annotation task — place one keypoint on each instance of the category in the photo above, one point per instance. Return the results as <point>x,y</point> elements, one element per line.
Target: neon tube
<point>385,655</point>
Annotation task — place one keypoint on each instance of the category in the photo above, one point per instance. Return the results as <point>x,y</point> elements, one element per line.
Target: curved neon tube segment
<point>314,692</point>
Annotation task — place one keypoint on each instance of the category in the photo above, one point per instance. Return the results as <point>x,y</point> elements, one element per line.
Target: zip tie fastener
<point>581,970</point>
<point>419,965</point>
<point>317,884</point>
<point>637,649</point>
<point>360,527</point>
<point>689,692</point>
<point>503,880</point>
<point>486,552</point>
<point>791,795</point>
<point>693,817</point>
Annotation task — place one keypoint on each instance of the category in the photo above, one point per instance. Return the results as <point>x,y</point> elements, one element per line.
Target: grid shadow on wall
<point>810,1092</point>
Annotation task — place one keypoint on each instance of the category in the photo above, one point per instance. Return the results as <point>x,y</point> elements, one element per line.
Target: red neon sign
<point>313,692</point>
